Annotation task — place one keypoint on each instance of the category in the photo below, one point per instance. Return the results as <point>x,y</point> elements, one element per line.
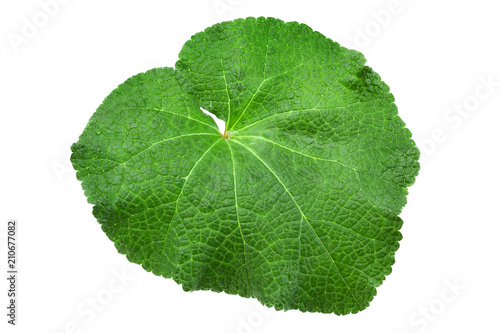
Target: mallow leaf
<point>296,204</point>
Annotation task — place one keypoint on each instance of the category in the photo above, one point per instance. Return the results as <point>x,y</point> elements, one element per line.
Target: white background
<point>435,56</point>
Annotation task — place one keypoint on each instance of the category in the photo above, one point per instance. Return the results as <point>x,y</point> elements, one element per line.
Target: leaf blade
<point>296,206</point>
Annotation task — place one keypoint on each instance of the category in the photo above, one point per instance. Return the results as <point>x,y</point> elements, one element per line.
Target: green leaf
<point>296,204</point>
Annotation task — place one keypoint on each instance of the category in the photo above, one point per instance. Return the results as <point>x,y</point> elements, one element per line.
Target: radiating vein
<point>260,85</point>
<point>179,196</point>
<point>162,141</point>
<point>237,209</point>
<point>225,83</point>
<point>303,215</point>
<point>167,111</point>
<point>283,114</point>
<point>316,158</point>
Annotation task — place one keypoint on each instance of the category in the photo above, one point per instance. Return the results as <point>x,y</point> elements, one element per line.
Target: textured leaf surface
<point>296,205</point>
